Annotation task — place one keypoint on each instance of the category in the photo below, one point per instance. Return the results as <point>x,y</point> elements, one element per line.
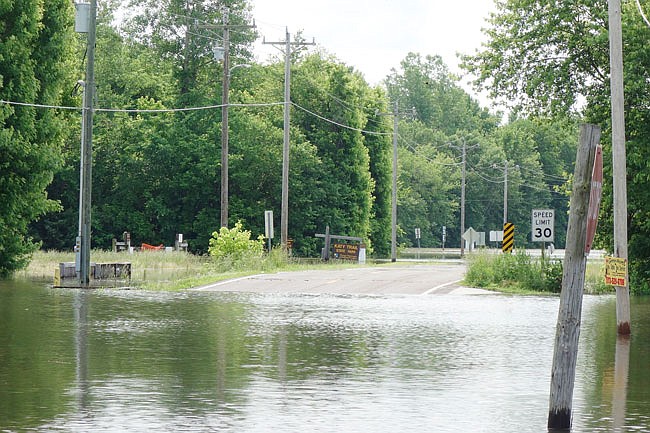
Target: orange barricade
<point>147,247</point>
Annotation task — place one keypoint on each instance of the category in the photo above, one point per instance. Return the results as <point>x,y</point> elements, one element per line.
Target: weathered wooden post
<point>328,240</point>
<point>575,261</point>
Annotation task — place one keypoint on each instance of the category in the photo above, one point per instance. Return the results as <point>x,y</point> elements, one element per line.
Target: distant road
<point>437,253</point>
<point>421,279</point>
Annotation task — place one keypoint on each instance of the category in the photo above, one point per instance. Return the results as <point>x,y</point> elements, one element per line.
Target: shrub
<point>235,245</point>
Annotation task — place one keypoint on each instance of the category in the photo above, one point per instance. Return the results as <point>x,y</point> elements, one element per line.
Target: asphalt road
<point>429,279</point>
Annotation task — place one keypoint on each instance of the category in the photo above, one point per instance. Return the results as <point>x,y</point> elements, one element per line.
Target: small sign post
<point>444,237</point>
<point>418,234</point>
<point>268,226</point>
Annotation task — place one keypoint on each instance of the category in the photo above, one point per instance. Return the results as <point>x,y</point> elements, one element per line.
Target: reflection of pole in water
<point>621,370</point>
<point>282,355</point>
<point>221,362</point>
<point>81,347</point>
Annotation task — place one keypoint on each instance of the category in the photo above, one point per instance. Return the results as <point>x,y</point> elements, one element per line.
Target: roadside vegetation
<point>154,167</point>
<point>232,254</point>
<point>523,274</point>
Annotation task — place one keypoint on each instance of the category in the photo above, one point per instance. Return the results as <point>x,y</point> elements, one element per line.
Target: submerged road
<point>429,279</point>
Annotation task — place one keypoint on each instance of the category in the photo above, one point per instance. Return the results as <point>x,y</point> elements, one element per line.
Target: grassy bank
<point>155,270</point>
<point>522,274</point>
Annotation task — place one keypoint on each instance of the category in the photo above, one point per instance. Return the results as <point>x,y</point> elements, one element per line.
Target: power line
<point>416,150</point>
<point>642,13</point>
<point>139,110</point>
<point>25,104</point>
<point>363,131</point>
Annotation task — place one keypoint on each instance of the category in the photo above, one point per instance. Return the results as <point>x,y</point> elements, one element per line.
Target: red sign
<point>594,198</point>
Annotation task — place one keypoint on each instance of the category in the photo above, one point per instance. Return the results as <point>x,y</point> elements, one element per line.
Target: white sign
<point>268,224</point>
<point>543,224</point>
<point>417,233</point>
<point>496,236</point>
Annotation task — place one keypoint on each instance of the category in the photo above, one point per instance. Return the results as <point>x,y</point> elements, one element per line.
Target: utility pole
<point>225,92</point>
<point>505,193</point>
<point>284,213</point>
<point>85,178</point>
<point>225,102</point>
<point>463,183</point>
<point>393,214</point>
<point>393,232</point>
<point>619,160</point>
<point>506,166</point>
<point>462,201</point>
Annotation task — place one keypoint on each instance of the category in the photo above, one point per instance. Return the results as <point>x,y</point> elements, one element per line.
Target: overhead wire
<point>415,149</point>
<point>25,104</point>
<point>638,3</point>
<point>345,104</point>
<point>337,123</point>
<point>144,110</point>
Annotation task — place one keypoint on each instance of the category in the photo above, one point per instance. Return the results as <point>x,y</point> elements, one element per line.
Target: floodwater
<point>116,360</point>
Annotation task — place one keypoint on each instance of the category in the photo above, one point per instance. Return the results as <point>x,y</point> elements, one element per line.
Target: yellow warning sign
<point>508,237</point>
<point>616,271</point>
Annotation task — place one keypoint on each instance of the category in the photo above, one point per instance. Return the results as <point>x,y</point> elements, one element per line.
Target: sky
<point>374,36</point>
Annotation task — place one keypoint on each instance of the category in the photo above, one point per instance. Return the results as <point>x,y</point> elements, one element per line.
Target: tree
<point>542,56</point>
<point>346,186</point>
<point>34,56</point>
<point>430,156</point>
<point>426,85</point>
<point>547,56</point>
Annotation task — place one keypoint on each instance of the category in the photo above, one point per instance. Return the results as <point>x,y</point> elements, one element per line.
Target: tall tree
<point>337,94</point>
<point>553,57</point>
<point>35,38</point>
<point>445,115</point>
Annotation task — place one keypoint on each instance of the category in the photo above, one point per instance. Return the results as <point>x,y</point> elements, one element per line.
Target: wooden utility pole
<point>284,212</point>
<point>225,102</point>
<point>573,278</point>
<point>619,169</point>
<point>225,96</point>
<point>462,201</point>
<point>85,187</point>
<point>463,187</point>
<point>393,201</point>
<point>505,192</point>
<point>393,223</point>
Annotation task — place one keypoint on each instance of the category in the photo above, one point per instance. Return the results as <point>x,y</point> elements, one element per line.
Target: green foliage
<point>158,174</point>
<point>542,55</point>
<point>344,181</point>
<point>518,271</point>
<point>235,244</point>
<point>34,49</point>
<point>548,55</point>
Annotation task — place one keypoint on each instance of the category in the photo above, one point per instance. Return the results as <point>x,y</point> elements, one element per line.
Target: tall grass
<point>146,266</point>
<point>513,272</point>
<point>523,274</point>
<point>157,270</point>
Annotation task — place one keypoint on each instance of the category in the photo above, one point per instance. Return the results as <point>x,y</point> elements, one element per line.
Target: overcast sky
<point>375,35</point>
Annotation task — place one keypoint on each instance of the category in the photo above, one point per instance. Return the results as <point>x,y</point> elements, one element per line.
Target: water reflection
<point>621,372</point>
<point>118,360</point>
<point>82,392</point>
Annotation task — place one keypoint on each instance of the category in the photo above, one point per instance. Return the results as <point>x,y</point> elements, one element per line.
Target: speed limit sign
<point>542,223</point>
